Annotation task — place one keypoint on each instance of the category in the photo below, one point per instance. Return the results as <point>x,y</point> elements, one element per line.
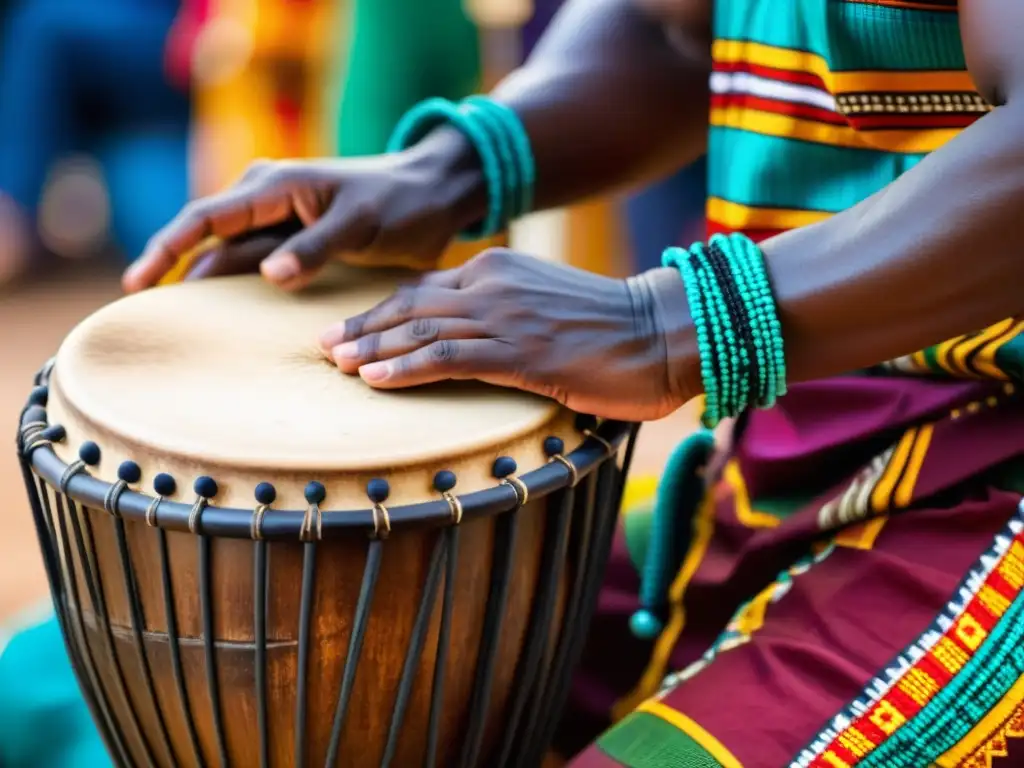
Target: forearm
<point>607,100</point>
<point>935,254</point>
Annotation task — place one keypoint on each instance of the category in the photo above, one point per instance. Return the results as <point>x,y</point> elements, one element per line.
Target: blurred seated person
<point>91,77</point>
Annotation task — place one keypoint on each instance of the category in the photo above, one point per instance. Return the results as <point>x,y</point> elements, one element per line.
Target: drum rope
<point>573,473</point>
<point>591,434</point>
<point>454,505</point>
<point>72,469</point>
<point>195,514</point>
<point>35,435</point>
<point>113,496</point>
<point>519,488</point>
<point>312,520</point>
<point>151,510</point>
<point>381,522</point>
<point>256,526</point>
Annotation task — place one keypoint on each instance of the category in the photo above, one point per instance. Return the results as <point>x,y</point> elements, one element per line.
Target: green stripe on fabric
<point>873,37</point>
<point>781,507</point>
<point>795,24</point>
<point>1009,358</point>
<point>797,174</point>
<point>962,704</point>
<point>636,528</point>
<point>1009,476</point>
<point>643,740</point>
<point>931,359</point>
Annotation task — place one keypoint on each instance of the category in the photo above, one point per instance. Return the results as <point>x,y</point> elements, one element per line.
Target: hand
<point>598,345</point>
<point>393,210</point>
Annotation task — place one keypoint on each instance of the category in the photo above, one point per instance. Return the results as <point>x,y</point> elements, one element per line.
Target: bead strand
<point>739,336</point>
<point>500,141</point>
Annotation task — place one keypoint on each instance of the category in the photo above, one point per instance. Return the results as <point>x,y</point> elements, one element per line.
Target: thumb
<point>298,260</point>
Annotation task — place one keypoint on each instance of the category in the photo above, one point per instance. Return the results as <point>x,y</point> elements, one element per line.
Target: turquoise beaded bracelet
<point>520,140</point>
<point>739,336</point>
<point>506,153</point>
<point>427,115</point>
<point>501,142</point>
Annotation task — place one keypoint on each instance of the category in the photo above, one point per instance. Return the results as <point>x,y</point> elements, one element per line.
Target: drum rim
<point>292,524</point>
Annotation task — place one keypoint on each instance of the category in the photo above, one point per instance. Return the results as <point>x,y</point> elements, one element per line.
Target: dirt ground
<point>33,321</point>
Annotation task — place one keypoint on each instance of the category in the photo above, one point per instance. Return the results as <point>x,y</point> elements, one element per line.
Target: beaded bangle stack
<point>501,142</point>
<point>739,336</point>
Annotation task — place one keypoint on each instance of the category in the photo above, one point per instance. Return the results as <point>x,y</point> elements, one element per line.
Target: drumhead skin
<point>225,378</point>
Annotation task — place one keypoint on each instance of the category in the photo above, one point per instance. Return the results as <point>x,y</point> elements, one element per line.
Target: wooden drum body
<point>258,561</point>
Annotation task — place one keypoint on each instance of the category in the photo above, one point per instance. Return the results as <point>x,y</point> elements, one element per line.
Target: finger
<point>483,359</point>
<point>404,305</point>
<point>403,339</point>
<point>345,226</point>
<point>240,255</point>
<point>225,215</point>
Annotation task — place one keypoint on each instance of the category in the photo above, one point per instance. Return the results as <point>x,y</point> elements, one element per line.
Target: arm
<point>606,98</point>
<point>935,254</point>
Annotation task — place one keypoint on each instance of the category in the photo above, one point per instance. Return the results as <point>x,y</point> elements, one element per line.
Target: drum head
<point>227,375</point>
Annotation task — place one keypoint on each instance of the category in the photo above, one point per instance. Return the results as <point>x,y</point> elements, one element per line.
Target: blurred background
<point>113,113</point>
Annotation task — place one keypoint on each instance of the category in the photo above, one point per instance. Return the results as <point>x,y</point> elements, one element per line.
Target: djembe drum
<point>257,560</point>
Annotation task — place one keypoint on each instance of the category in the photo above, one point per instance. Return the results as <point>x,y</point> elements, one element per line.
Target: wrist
<point>667,312</point>
<point>450,162</point>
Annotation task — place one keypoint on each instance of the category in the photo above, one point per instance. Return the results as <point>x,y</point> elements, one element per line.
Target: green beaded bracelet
<point>520,140</point>
<point>425,116</point>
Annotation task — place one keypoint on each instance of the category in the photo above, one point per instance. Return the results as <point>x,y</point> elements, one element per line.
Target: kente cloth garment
<point>849,591</point>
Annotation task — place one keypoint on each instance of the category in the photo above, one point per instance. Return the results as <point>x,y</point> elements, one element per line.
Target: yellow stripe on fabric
<point>936,81</point>
<point>752,617</point>
<point>743,51</point>
<point>638,491</point>
<point>939,81</point>
<point>691,728</point>
<point>985,728</point>
<point>787,127</point>
<point>741,499</point>
<point>863,535</point>
<point>985,360</point>
<point>703,527</point>
<point>735,216</point>
<point>966,346</point>
<point>905,490</point>
<point>880,497</point>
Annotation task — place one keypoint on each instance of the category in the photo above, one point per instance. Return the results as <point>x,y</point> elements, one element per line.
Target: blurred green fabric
<point>401,52</point>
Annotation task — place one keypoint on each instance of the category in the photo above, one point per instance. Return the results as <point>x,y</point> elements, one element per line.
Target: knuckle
<point>369,346</point>
<point>443,352</point>
<point>258,168</point>
<point>354,326</point>
<point>404,302</point>
<point>425,329</point>
<point>493,257</point>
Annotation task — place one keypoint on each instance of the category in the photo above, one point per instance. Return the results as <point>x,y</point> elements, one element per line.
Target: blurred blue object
<point>670,212</point>
<point>89,77</point>
<point>44,722</point>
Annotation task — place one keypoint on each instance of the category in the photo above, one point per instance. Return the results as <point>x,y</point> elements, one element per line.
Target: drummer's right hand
<point>388,210</point>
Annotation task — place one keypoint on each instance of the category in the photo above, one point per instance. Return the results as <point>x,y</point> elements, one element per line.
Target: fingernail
<point>347,351</point>
<point>281,268</point>
<point>374,371</point>
<point>332,337</point>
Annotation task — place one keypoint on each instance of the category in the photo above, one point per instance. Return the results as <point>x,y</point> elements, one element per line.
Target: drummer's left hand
<point>613,348</point>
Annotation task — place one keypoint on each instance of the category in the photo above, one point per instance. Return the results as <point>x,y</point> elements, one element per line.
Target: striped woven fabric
<point>844,96</point>
<point>851,591</point>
